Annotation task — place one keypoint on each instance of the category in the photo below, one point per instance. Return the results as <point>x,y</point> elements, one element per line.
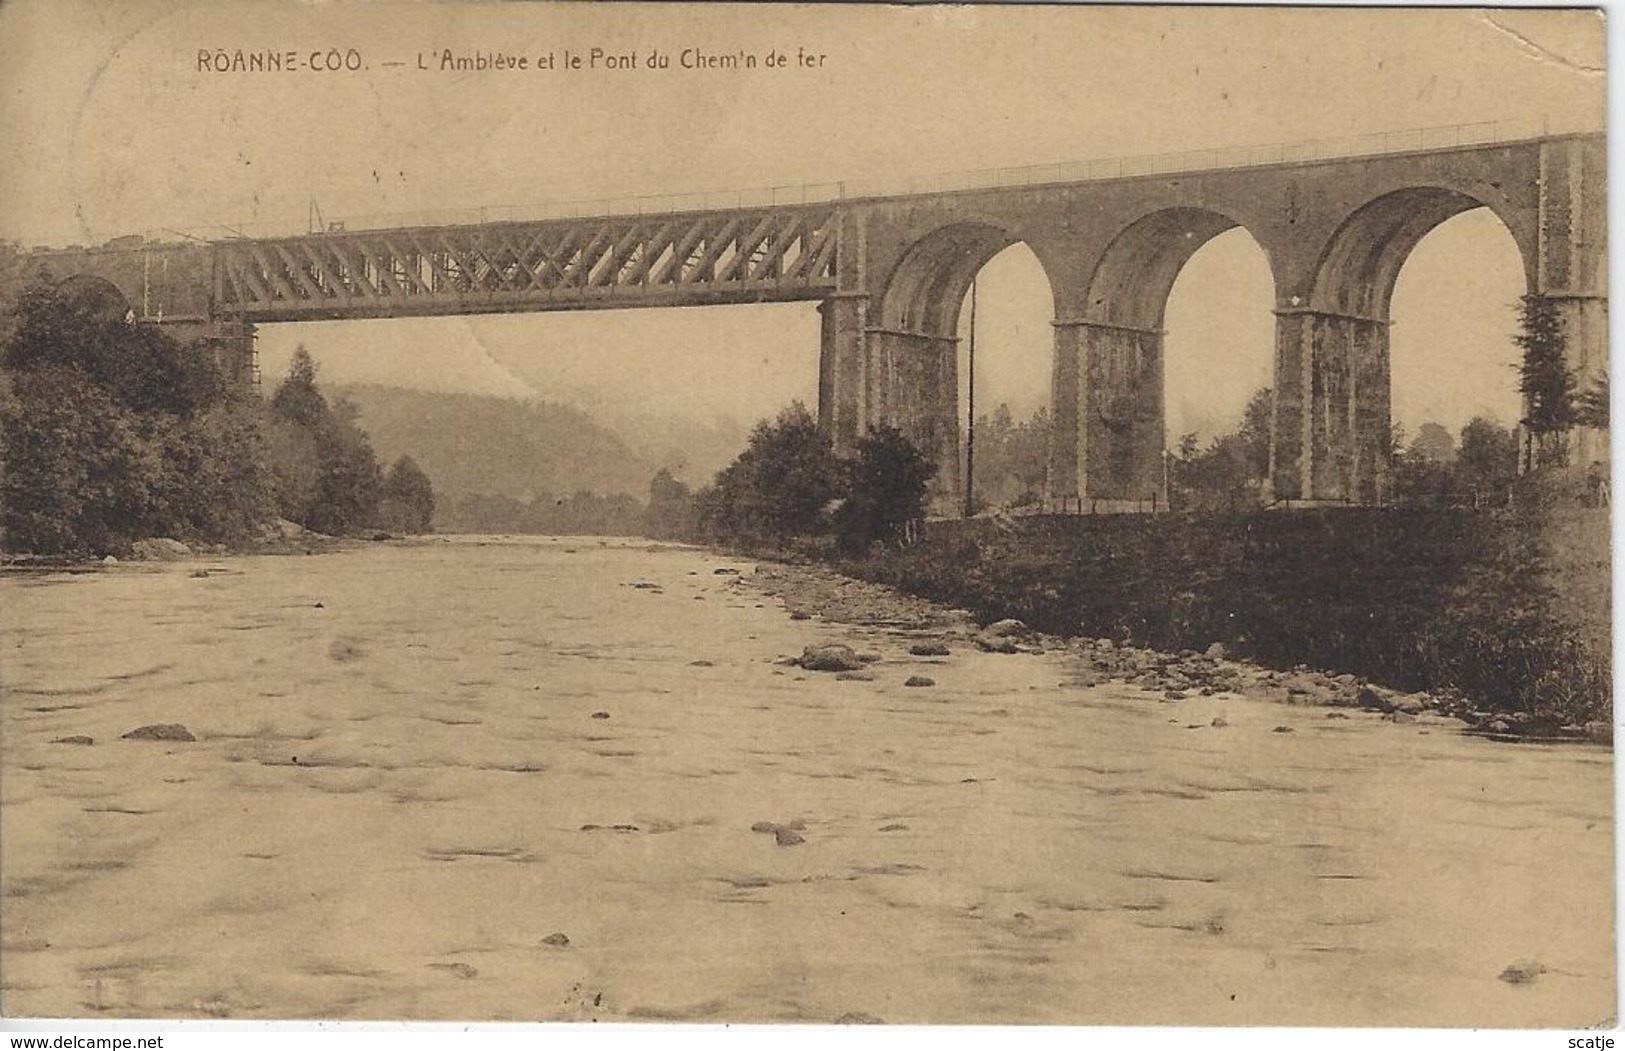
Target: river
<point>517,779</point>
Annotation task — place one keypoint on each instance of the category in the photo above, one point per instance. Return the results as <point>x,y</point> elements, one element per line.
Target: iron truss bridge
<point>762,255</point>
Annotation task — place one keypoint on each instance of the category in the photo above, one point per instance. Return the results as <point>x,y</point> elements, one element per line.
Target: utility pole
<point>970,400</point>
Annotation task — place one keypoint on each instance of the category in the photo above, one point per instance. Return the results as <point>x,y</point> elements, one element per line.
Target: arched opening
<point>1131,285</point>
<point>1357,273</point>
<point>519,410</point>
<point>1454,363</point>
<point>928,287</point>
<point>96,296</point>
<point>1125,346</point>
<point>1004,393</point>
<point>1444,357</point>
<point>920,354</point>
<point>1218,371</point>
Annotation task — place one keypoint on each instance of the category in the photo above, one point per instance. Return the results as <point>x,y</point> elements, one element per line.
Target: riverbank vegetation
<point>1478,583</point>
<point>1473,602</point>
<point>789,487</point>
<point>112,432</point>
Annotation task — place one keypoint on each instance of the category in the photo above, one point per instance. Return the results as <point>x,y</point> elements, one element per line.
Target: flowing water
<point>417,766</point>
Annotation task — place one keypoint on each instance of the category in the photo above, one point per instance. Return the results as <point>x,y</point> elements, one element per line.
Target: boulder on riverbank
<point>158,549</point>
<point>1004,636</point>
<point>281,529</point>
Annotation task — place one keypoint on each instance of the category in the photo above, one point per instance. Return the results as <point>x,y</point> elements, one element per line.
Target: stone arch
<point>1334,388</point>
<point>924,291</point>
<point>1333,372</point>
<point>1108,392</point>
<point>96,294</point>
<point>1360,264</point>
<point>912,346</point>
<point>1131,282</point>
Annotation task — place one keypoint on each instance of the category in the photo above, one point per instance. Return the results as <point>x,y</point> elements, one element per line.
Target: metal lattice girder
<point>748,255</point>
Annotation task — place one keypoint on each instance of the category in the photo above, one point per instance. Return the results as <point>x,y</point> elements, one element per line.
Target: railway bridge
<point>890,271</point>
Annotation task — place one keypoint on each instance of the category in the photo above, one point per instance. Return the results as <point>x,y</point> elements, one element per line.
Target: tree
<point>326,475</point>
<point>1433,443</point>
<point>75,478</point>
<point>1544,379</point>
<point>223,486</point>
<point>1012,458</point>
<point>1229,473</point>
<point>1487,462</point>
<point>297,399</point>
<point>406,499</point>
<point>1218,478</point>
<point>1255,432</point>
<point>115,431</point>
<point>1422,471</point>
<point>670,514</point>
<point>1591,410</point>
<point>779,486</point>
<point>1029,455</point>
<point>349,481</point>
<point>82,327</point>
<point>886,486</point>
<point>294,467</point>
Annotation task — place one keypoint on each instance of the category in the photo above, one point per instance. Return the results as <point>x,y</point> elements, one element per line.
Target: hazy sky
<point>121,133</point>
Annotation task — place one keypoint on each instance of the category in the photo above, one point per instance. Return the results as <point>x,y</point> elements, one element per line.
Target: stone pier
<point>1331,428</point>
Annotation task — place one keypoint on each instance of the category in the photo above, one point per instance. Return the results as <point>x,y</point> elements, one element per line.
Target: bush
<point>885,490</point>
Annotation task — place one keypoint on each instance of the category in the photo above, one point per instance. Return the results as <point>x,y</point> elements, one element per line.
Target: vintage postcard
<point>817,514</point>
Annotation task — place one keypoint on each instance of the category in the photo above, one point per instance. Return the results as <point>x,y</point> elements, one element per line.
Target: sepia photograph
<point>700,514</point>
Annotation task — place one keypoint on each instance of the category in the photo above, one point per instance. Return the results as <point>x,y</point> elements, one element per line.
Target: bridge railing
<point>595,208</point>
<point>1410,140</point>
<point>1447,136</point>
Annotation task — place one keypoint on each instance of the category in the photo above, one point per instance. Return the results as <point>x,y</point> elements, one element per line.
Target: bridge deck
<point>762,255</point>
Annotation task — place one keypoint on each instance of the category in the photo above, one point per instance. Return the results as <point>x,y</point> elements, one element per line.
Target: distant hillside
<point>692,449</point>
<point>470,443</point>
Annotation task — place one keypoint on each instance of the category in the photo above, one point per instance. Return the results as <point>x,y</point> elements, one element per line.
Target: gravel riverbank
<point>809,590</point>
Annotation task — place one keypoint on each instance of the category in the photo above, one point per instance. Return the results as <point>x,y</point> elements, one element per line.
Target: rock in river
<point>783,835</point>
<point>1522,972</point>
<point>160,732</point>
<point>830,658</point>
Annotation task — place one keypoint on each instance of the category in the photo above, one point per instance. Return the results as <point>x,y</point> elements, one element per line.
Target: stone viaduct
<point>890,274</point>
